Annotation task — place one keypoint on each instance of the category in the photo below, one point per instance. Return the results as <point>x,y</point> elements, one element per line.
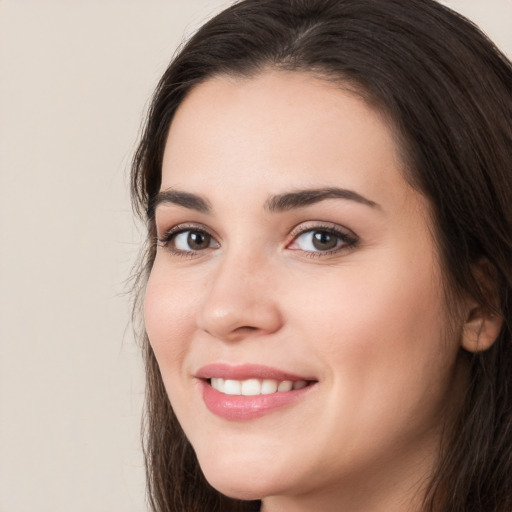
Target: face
<point>296,305</point>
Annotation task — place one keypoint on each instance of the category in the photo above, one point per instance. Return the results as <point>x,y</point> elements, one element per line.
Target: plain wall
<point>75,78</point>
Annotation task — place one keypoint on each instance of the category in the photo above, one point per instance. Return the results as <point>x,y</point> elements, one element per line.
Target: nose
<point>239,301</point>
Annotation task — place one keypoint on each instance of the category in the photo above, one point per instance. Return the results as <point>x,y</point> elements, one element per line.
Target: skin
<point>368,321</point>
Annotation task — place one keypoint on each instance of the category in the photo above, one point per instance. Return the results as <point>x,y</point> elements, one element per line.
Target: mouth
<point>254,387</point>
<point>250,391</point>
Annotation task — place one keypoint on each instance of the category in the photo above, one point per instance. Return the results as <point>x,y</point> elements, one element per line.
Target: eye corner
<point>187,240</point>
<point>322,239</point>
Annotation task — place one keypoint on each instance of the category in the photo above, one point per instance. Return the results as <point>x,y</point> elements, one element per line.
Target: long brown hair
<point>448,91</point>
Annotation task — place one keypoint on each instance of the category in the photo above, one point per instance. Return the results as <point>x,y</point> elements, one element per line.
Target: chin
<point>243,481</point>
<point>238,488</point>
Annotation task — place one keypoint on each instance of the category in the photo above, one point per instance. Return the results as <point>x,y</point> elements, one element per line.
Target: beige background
<point>75,77</point>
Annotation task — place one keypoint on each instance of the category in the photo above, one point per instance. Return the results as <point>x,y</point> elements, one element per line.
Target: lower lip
<point>241,407</point>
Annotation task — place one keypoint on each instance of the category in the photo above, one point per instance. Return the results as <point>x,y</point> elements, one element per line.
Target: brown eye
<point>191,240</point>
<point>324,241</point>
<point>198,240</point>
<point>319,240</point>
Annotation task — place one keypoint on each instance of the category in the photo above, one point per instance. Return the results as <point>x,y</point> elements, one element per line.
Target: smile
<point>253,387</point>
<point>246,392</point>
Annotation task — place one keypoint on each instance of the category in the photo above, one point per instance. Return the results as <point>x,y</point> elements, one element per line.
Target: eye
<point>322,240</point>
<point>181,240</point>
<point>192,241</point>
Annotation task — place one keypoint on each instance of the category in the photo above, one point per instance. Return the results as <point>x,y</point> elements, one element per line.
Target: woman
<point>327,186</point>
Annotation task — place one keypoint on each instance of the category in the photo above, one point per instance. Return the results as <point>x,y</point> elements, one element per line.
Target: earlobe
<point>483,322</point>
<point>481,329</point>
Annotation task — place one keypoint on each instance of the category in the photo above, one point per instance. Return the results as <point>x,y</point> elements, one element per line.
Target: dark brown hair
<point>448,92</point>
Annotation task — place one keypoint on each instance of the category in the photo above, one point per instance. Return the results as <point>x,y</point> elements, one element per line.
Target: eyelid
<point>345,234</point>
<point>185,226</point>
<point>164,239</point>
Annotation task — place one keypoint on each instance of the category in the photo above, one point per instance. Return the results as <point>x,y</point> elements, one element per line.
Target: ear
<point>481,329</point>
<point>483,322</point>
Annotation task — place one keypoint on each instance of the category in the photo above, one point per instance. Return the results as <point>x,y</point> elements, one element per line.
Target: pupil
<point>324,241</point>
<point>198,240</point>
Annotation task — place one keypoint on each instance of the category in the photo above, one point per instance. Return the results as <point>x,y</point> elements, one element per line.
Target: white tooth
<point>218,384</point>
<point>299,384</point>
<point>286,385</point>
<point>232,387</point>
<point>268,386</point>
<point>251,387</point>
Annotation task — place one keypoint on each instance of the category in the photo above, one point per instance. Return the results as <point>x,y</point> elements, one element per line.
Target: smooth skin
<point>362,311</point>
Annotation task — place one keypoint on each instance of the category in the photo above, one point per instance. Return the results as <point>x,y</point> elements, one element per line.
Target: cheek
<point>384,323</point>
<point>168,315</point>
<point>380,339</point>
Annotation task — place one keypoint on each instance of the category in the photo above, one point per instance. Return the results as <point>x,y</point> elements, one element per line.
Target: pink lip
<point>246,371</point>
<point>239,407</point>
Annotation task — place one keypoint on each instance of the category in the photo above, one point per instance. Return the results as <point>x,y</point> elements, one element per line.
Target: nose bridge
<point>239,299</point>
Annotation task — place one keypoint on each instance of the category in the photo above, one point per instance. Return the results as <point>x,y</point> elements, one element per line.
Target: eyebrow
<point>302,198</point>
<point>185,199</point>
<point>277,203</point>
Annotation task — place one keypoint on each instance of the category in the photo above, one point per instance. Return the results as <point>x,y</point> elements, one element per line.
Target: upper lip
<point>246,371</point>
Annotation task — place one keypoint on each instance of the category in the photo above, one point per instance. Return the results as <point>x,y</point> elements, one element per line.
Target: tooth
<point>268,386</point>
<point>232,387</point>
<point>218,384</point>
<point>251,387</point>
<point>286,385</point>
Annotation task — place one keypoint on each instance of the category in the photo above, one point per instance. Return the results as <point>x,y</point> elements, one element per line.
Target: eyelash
<point>169,236</point>
<point>347,238</point>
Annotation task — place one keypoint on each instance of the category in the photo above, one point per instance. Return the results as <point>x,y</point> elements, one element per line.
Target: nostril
<point>245,328</point>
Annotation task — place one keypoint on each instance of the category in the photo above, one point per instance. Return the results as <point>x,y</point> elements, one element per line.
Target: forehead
<point>279,128</point>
